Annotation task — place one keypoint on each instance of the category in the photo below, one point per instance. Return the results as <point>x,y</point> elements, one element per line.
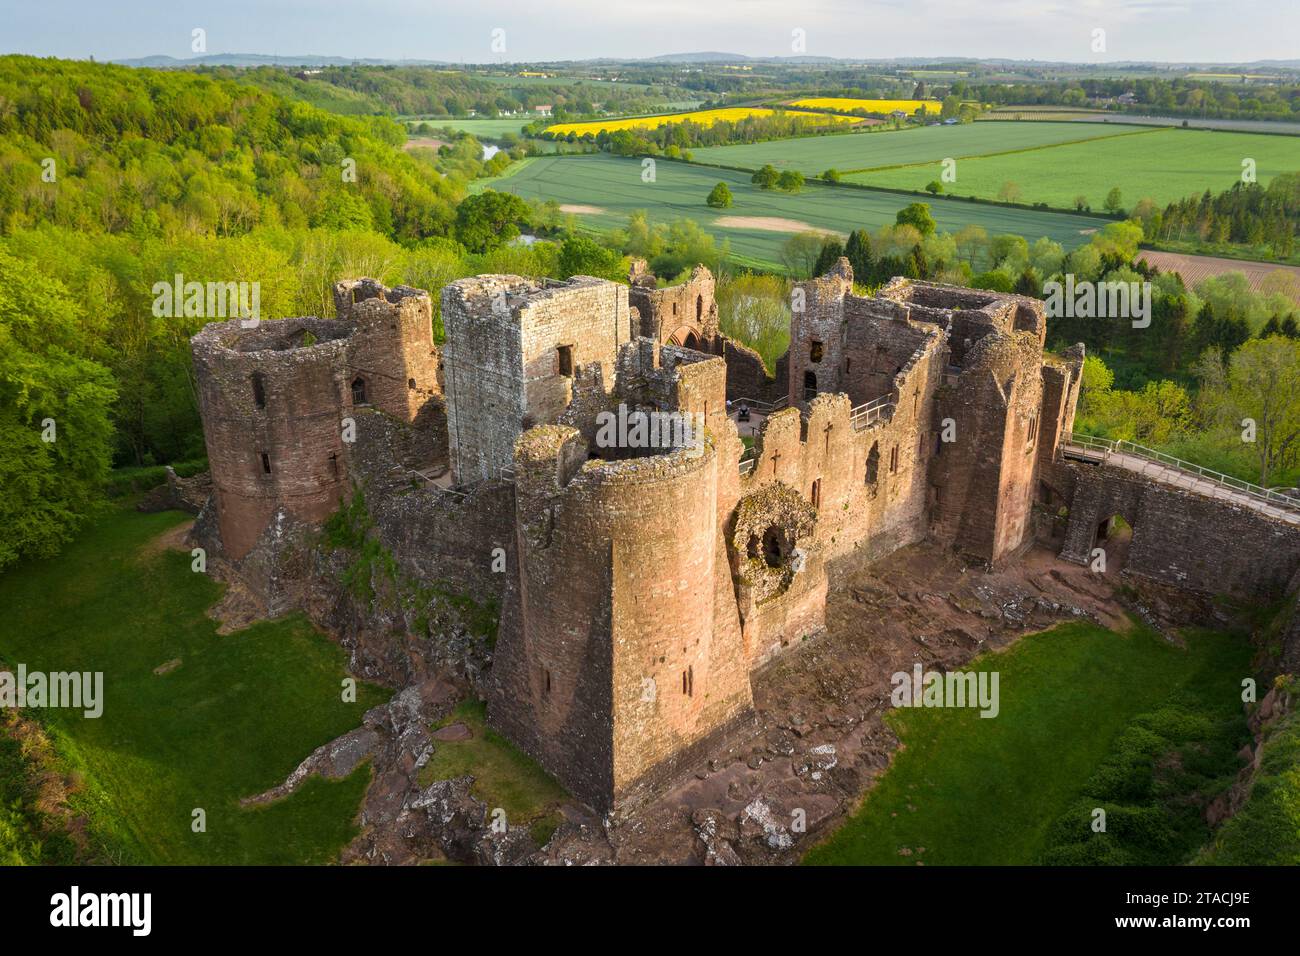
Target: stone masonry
<point>644,583</point>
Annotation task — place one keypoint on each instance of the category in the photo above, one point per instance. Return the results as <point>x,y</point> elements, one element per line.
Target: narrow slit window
<point>565,356</point>
<point>259,390</point>
<point>266,463</point>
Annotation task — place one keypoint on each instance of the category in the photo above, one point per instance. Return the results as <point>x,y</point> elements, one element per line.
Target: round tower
<point>271,398</point>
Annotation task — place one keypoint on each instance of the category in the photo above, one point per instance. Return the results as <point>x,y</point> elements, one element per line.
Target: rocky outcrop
<point>178,494</point>
<point>1276,705</point>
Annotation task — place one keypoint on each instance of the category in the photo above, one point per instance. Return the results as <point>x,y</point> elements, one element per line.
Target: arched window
<point>358,391</point>
<point>699,308</point>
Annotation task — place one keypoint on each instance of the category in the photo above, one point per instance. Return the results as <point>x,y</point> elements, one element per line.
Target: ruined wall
<point>1062,378</point>
<point>878,342</point>
<point>272,399</point>
<point>1190,540</point>
<point>685,314</point>
<point>438,537</point>
<point>866,482</point>
<point>508,342</point>
<point>985,480</point>
<point>747,375</point>
<point>391,348</point>
<point>816,354</point>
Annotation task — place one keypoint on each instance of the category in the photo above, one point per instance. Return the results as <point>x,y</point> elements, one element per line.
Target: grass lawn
<point>504,776</point>
<point>971,790</point>
<point>233,719</point>
<point>614,187</point>
<point>1162,164</point>
<point>813,155</point>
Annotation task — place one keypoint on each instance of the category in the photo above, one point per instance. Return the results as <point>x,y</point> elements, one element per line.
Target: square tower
<point>514,347</point>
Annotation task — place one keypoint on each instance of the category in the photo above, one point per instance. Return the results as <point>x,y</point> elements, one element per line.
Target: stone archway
<point>685,336</point>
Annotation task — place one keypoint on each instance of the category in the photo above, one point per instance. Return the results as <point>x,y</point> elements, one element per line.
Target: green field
<point>812,155</point>
<point>237,714</point>
<point>489,128</point>
<point>614,186</point>
<point>965,790</point>
<point>1163,164</point>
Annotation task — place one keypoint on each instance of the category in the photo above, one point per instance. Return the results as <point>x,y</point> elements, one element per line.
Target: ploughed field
<point>603,190</point>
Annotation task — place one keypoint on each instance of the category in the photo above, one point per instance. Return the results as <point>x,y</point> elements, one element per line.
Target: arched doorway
<point>1113,536</point>
<point>685,336</point>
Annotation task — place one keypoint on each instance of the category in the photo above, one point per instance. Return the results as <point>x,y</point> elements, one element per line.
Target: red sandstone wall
<point>298,426</point>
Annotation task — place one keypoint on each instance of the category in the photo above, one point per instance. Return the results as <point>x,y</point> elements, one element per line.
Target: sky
<point>491,31</point>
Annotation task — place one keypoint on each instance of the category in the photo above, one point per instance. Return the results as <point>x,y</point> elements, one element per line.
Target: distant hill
<point>265,59</point>
<point>703,57</point>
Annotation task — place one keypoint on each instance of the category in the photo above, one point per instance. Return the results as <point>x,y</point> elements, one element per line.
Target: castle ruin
<point>642,585</point>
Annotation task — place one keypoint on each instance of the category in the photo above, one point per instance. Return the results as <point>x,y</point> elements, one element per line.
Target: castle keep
<point>641,585</point>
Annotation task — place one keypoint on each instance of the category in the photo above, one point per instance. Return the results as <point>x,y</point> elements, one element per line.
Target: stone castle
<point>639,588</point>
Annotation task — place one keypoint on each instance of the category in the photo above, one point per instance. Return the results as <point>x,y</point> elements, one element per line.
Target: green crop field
<point>490,128</point>
<point>611,188</point>
<point>812,155</point>
<point>1163,164</point>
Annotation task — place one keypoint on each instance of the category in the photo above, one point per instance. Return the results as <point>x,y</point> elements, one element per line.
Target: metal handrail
<point>1123,446</point>
<point>868,412</point>
<point>766,408</point>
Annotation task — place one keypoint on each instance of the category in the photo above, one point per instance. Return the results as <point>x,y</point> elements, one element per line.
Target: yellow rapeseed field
<point>703,117</point>
<point>872,106</point>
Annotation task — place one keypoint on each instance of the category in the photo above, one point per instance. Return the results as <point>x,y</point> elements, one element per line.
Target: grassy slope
<point>503,775</point>
<point>1165,165</point>
<point>679,190</point>
<point>986,791</point>
<point>238,714</point>
<point>815,154</point>
<point>1267,829</point>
